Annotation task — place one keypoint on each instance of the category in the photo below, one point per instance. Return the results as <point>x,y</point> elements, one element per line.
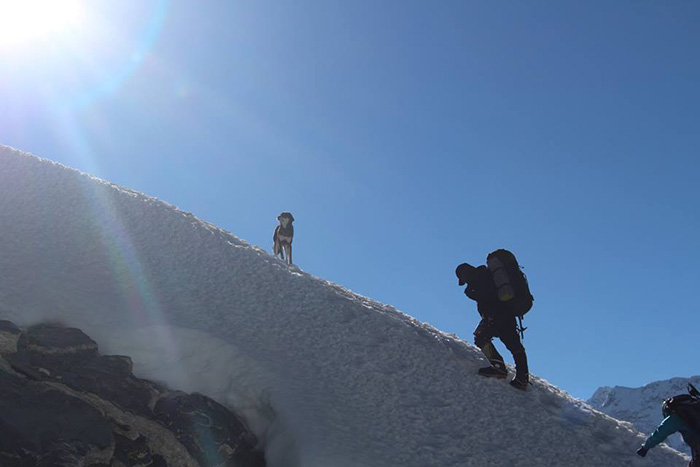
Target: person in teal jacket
<point>673,423</point>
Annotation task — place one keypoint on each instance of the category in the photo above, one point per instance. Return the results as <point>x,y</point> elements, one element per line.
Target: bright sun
<point>28,22</point>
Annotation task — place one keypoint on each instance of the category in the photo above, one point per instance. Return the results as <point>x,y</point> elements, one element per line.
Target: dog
<point>283,236</point>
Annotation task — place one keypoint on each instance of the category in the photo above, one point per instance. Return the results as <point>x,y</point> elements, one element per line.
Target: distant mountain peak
<point>642,406</point>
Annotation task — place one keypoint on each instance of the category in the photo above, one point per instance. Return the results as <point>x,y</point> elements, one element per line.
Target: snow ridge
<point>324,376</point>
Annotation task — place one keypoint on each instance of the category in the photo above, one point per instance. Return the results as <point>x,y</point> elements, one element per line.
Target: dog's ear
<point>286,214</point>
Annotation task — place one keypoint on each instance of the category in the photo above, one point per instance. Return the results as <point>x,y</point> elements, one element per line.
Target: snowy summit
<point>324,377</point>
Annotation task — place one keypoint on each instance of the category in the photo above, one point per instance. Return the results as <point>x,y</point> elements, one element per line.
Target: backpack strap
<point>693,391</point>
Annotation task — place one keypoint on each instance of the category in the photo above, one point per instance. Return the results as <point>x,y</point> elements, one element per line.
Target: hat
<point>464,273</point>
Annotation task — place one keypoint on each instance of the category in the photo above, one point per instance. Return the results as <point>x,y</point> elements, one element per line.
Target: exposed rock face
<point>190,415</point>
<point>63,404</point>
<point>54,426</point>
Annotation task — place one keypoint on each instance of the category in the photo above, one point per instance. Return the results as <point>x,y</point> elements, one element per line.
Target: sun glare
<point>29,22</point>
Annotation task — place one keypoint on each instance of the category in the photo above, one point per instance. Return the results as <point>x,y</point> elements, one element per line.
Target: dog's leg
<point>289,254</point>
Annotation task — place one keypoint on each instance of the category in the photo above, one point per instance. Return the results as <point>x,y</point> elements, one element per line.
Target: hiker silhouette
<point>681,415</point>
<point>500,298</point>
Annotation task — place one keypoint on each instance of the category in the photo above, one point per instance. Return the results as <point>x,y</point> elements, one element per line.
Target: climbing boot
<point>519,383</point>
<point>522,375</point>
<point>496,370</point>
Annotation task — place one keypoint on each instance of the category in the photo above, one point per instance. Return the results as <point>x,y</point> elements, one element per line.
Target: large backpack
<point>686,406</point>
<point>511,283</point>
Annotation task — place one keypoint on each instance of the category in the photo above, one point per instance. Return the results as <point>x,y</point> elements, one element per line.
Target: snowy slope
<point>642,406</point>
<point>326,377</point>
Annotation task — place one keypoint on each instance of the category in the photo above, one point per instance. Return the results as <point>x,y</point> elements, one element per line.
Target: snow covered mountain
<point>323,376</point>
<point>642,406</point>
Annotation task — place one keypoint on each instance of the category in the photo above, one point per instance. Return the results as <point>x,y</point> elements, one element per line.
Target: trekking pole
<point>521,328</point>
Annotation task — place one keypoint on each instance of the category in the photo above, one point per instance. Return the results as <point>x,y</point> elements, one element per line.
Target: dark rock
<point>247,458</point>
<point>38,421</point>
<point>51,345</point>
<point>20,363</point>
<point>8,326</point>
<point>210,432</point>
<point>134,453</point>
<point>69,356</point>
<point>110,378</point>
<point>61,455</point>
<point>54,410</point>
<point>9,333</point>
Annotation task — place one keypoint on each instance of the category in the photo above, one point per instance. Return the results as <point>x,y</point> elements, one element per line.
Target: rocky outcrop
<point>62,404</point>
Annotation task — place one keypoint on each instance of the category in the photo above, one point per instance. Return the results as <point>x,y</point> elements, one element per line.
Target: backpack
<point>511,283</point>
<point>686,406</point>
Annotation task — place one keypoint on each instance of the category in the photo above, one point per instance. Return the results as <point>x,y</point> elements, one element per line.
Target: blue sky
<point>408,137</point>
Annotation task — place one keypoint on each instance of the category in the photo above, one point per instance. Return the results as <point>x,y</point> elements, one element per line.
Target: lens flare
<point>28,22</point>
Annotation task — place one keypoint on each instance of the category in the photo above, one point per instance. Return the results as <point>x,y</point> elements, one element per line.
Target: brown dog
<point>283,236</point>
